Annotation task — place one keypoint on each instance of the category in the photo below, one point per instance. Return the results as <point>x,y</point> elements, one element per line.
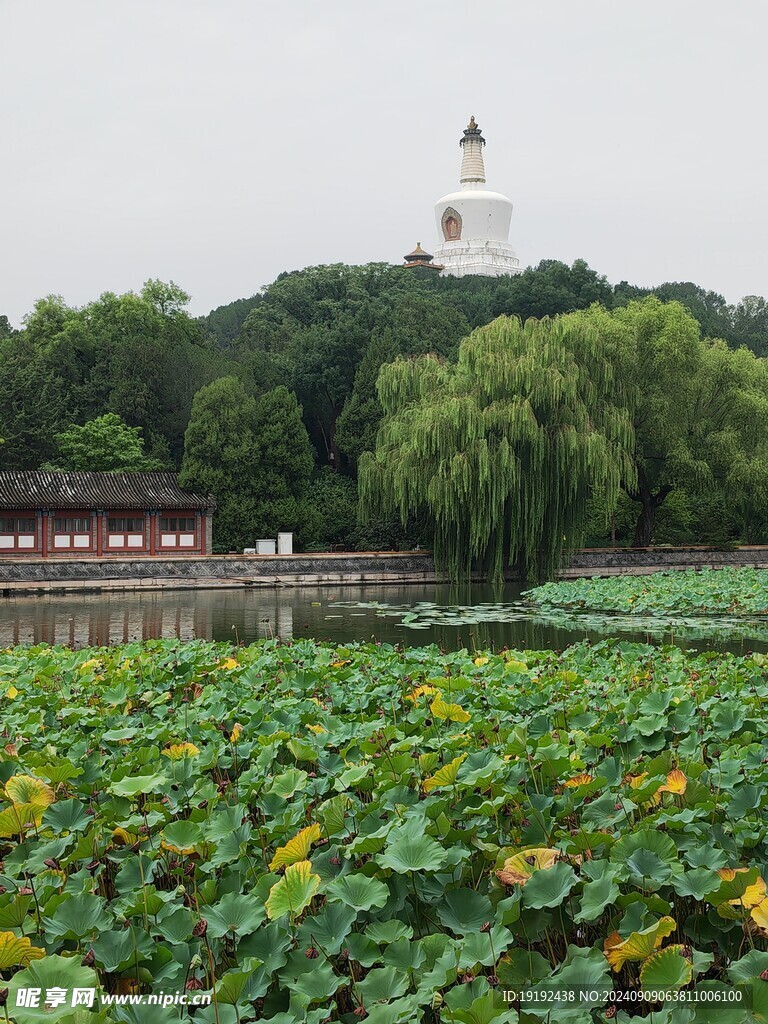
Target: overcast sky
<point>219,142</point>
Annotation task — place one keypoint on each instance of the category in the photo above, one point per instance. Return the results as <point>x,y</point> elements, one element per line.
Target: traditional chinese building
<point>99,514</point>
<point>420,258</point>
<point>473,223</point>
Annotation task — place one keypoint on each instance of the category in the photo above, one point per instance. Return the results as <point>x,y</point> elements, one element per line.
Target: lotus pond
<point>738,591</point>
<point>315,832</point>
<point>452,617</point>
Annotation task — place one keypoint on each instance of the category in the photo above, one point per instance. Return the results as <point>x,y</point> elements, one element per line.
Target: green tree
<point>104,445</point>
<point>750,323</point>
<point>252,454</point>
<point>698,409</point>
<point>362,413</point>
<point>220,458</point>
<point>328,511</point>
<point>138,356</point>
<point>34,402</point>
<point>499,450</point>
<point>312,329</point>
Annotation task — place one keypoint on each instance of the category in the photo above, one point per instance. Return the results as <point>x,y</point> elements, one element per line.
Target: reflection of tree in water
<point>473,617</point>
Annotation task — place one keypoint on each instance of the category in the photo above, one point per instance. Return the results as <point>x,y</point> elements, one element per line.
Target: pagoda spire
<point>472,166</point>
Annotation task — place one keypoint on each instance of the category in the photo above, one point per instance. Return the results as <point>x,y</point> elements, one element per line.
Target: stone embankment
<point>28,575</point>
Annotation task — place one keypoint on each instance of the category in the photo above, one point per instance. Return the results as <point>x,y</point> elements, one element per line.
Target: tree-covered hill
<point>310,347</point>
<point>550,288</point>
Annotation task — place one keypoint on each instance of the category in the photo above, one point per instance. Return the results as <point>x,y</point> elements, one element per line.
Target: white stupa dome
<point>473,223</point>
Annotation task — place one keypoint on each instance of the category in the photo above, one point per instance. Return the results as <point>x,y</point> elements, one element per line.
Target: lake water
<point>476,617</point>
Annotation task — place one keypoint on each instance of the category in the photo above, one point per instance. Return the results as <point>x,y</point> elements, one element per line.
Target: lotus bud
<point>3,996</point>
<point>311,953</point>
<point>195,962</point>
<point>88,959</point>
<point>180,890</point>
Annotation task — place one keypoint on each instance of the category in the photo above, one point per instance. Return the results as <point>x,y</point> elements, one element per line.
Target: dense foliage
<point>324,333</point>
<point>736,591</point>
<point>140,357</point>
<point>253,454</point>
<point>699,411</point>
<point>500,450</point>
<point>320,833</point>
<point>103,445</point>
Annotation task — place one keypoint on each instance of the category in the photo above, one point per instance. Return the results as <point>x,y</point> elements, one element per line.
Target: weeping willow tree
<point>500,449</point>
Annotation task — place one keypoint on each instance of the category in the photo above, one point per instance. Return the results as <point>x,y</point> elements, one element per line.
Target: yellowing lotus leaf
<point>295,849</point>
<point>11,692</point>
<point>178,751</point>
<point>293,893</point>
<point>14,820</point>
<point>229,663</point>
<point>451,712</point>
<point>759,915</point>
<point>752,894</point>
<point>676,783</point>
<point>445,776</point>
<point>317,729</point>
<point>736,891</point>
<point>583,779</point>
<point>24,789</point>
<point>638,945</point>
<point>482,660</point>
<point>121,837</point>
<point>17,952</point>
<point>517,869</point>
<point>636,781</point>
<point>237,729</point>
<point>423,691</point>
<point>614,939</point>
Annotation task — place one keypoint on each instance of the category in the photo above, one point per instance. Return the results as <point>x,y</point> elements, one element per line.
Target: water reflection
<point>321,612</point>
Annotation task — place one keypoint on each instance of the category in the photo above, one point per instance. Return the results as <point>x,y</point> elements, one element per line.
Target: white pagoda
<point>473,223</point>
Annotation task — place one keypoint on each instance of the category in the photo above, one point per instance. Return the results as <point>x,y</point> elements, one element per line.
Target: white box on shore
<point>285,543</point>
<point>249,551</point>
<point>265,547</point>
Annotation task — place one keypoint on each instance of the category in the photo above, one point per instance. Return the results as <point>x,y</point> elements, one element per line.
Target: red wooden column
<point>44,520</point>
<point>99,524</point>
<point>152,533</point>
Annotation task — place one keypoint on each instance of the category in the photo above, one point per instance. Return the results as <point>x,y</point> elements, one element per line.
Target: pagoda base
<point>491,259</point>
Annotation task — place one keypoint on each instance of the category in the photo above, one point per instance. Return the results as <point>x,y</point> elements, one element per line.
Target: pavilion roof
<point>37,489</point>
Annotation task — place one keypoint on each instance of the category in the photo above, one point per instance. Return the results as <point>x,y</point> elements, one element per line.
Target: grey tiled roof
<point>28,489</point>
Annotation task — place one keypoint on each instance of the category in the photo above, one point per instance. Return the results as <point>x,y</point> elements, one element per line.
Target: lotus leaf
<point>15,951</point>
<point>292,894</point>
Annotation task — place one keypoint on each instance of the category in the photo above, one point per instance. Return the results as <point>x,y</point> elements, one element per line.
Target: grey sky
<point>220,142</point>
